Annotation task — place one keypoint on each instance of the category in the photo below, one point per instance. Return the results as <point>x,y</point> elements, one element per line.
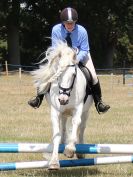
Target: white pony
<point>66,98</point>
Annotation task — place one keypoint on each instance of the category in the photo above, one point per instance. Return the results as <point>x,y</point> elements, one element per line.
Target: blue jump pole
<point>80,148</point>
<point>67,163</point>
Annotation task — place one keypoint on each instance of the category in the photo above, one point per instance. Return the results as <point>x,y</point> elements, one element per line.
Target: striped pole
<point>80,148</point>
<point>67,163</point>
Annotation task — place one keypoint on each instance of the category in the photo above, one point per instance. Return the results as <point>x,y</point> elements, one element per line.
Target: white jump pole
<point>80,148</point>
<point>67,163</point>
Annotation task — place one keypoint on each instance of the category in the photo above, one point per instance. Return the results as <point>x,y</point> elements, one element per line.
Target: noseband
<point>67,91</point>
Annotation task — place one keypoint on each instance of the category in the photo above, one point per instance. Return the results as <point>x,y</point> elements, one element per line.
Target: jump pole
<point>80,148</point>
<point>67,163</point>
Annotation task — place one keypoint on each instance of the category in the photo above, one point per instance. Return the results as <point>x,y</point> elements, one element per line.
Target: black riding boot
<point>97,96</point>
<point>36,102</point>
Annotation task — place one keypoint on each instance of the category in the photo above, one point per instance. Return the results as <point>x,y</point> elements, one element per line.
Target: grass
<point>20,123</point>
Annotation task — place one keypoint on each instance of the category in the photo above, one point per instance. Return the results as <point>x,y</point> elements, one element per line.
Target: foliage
<point>124,50</point>
<point>3,49</point>
<point>109,24</point>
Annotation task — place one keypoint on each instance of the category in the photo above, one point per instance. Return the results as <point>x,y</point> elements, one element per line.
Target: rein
<point>69,89</point>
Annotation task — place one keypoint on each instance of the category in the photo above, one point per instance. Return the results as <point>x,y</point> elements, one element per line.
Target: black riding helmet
<point>69,15</point>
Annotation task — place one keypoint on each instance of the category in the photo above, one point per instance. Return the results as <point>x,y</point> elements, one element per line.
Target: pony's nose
<point>63,102</point>
<point>63,99</point>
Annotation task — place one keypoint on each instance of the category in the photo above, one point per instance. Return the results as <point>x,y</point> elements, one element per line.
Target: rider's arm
<point>56,34</point>
<point>84,46</point>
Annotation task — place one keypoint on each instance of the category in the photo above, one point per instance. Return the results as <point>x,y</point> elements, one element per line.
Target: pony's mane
<point>47,73</point>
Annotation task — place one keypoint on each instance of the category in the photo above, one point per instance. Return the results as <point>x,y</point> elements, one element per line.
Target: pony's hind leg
<point>76,120</point>
<point>81,133</point>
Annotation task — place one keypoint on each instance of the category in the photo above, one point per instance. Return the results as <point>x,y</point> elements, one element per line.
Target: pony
<point>64,86</point>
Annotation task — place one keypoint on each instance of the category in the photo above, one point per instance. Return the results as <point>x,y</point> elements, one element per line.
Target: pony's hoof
<point>69,153</point>
<point>80,156</point>
<point>54,167</point>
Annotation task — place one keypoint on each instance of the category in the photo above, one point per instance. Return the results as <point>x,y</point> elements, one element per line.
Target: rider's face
<point>69,26</point>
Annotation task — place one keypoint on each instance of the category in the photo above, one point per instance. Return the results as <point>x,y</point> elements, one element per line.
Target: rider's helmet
<point>69,15</point>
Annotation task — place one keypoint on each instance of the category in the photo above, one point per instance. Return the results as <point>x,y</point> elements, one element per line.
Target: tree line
<point>25,29</point>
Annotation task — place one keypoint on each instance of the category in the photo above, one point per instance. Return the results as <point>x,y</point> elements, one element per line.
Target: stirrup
<point>97,108</point>
<point>33,98</point>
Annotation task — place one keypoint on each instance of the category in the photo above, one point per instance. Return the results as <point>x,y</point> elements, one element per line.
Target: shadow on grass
<point>68,172</point>
<point>64,172</point>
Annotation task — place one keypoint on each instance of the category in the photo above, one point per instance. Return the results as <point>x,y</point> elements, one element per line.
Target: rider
<point>77,38</point>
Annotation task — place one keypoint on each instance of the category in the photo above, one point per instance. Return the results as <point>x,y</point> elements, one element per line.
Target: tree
<point>13,33</point>
<point>109,24</point>
<point>10,16</point>
<point>3,43</point>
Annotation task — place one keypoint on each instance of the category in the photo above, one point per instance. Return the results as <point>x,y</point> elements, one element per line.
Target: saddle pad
<point>88,77</point>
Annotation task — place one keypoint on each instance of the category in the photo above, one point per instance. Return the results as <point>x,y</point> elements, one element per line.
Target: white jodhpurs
<point>89,64</point>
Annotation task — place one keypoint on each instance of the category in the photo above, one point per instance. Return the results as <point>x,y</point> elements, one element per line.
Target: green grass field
<point>21,123</point>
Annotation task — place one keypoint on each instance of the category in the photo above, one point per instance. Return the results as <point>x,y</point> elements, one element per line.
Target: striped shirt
<point>78,36</point>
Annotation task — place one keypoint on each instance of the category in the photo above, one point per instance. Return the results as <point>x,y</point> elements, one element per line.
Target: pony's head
<point>66,83</point>
<point>59,57</point>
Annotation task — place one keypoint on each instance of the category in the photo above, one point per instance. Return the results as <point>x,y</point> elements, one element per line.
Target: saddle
<point>88,77</point>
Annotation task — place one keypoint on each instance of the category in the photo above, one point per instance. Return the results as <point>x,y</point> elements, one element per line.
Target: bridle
<point>67,91</point>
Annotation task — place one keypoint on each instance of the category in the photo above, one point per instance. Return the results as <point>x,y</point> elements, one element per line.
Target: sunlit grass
<point>21,123</point>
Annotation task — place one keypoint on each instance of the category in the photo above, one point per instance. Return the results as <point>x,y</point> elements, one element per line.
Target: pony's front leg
<point>54,162</point>
<point>76,121</point>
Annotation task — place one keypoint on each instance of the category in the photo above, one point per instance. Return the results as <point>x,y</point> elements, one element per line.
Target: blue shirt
<point>78,36</point>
